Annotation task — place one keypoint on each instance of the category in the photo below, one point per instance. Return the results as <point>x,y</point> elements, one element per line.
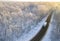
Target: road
<point>43,30</point>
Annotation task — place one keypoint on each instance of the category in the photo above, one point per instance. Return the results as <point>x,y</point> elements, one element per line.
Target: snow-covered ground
<point>17,18</point>
<point>28,36</point>
<point>55,33</point>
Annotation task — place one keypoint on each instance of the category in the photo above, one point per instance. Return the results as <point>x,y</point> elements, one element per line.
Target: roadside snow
<point>33,32</point>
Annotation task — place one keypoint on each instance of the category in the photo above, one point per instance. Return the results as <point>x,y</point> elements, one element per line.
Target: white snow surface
<point>28,36</point>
